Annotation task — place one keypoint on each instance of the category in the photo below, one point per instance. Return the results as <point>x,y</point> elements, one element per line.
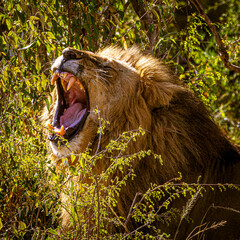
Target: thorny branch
<point>222,51</point>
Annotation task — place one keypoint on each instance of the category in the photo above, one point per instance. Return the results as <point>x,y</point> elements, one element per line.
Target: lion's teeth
<point>62,131</point>
<point>63,85</point>
<point>54,77</point>
<point>72,80</point>
<point>81,86</point>
<point>63,75</point>
<point>50,126</point>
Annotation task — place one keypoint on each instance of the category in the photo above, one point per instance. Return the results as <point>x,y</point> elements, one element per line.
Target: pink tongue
<point>73,115</point>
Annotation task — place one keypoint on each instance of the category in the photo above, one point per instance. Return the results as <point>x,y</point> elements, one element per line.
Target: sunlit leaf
<point>73,170</point>
<point>52,231</point>
<point>28,46</point>
<point>1,224</point>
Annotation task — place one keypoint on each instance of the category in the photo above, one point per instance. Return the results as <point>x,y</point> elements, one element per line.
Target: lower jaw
<point>72,132</point>
<point>85,138</point>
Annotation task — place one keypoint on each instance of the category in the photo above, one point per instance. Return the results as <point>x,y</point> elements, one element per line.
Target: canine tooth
<point>63,85</point>
<point>81,86</point>
<point>54,77</point>
<point>71,82</point>
<point>50,126</point>
<point>62,131</point>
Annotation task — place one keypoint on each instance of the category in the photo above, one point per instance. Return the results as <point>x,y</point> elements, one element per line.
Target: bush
<point>33,33</point>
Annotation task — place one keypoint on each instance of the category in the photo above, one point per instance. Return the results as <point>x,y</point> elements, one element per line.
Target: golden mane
<point>181,127</point>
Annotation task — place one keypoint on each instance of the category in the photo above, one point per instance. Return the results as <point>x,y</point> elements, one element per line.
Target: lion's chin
<point>62,150</point>
<point>59,151</point>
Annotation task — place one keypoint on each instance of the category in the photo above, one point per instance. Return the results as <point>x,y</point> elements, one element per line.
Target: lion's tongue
<point>72,115</point>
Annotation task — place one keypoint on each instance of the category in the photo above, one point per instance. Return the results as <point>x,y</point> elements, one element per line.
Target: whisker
<point>102,72</point>
<point>99,70</point>
<point>102,78</point>
<point>96,79</point>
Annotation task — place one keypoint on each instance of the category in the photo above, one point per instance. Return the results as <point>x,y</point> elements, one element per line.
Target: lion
<point>132,90</point>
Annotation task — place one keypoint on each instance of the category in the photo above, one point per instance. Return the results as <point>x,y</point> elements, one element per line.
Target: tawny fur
<point>133,90</point>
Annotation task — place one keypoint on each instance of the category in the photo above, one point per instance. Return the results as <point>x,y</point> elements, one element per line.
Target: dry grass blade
<point>206,228</point>
<point>187,209</point>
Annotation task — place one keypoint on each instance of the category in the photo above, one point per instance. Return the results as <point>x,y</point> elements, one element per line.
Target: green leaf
<point>74,215</point>
<point>22,226</point>
<point>1,224</point>
<point>50,35</point>
<point>44,80</point>
<point>173,40</point>
<point>34,18</point>
<point>38,65</point>
<point>119,6</point>
<point>73,170</point>
<point>52,231</point>
<point>9,5</point>
<point>9,23</point>
<point>52,170</point>
<point>83,161</point>
<point>28,46</point>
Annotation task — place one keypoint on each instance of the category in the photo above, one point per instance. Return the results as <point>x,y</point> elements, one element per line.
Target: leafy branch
<point>222,50</point>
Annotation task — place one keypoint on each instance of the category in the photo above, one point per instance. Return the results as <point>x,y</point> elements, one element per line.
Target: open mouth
<point>72,107</point>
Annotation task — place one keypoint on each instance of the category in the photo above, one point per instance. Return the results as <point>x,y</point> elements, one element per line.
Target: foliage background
<point>33,34</point>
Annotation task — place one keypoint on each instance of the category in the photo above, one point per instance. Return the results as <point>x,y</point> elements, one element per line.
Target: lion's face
<point>86,82</point>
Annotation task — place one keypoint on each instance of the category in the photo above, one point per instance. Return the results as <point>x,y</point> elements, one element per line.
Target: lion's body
<point>140,92</point>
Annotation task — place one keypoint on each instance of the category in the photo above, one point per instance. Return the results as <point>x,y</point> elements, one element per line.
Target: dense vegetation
<point>33,34</point>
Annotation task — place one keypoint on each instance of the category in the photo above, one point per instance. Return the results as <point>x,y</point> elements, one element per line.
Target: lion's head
<point>125,86</point>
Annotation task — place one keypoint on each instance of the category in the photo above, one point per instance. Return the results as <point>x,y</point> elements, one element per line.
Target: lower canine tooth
<point>81,86</point>
<point>71,82</point>
<point>50,126</point>
<point>62,131</point>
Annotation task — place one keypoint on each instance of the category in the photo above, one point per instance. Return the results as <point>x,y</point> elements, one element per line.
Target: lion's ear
<point>157,83</point>
<point>158,93</point>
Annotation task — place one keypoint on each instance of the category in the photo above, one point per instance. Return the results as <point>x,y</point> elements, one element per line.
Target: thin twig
<point>130,211</point>
<point>100,134</point>
<point>69,21</point>
<point>121,223</point>
<point>98,212</point>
